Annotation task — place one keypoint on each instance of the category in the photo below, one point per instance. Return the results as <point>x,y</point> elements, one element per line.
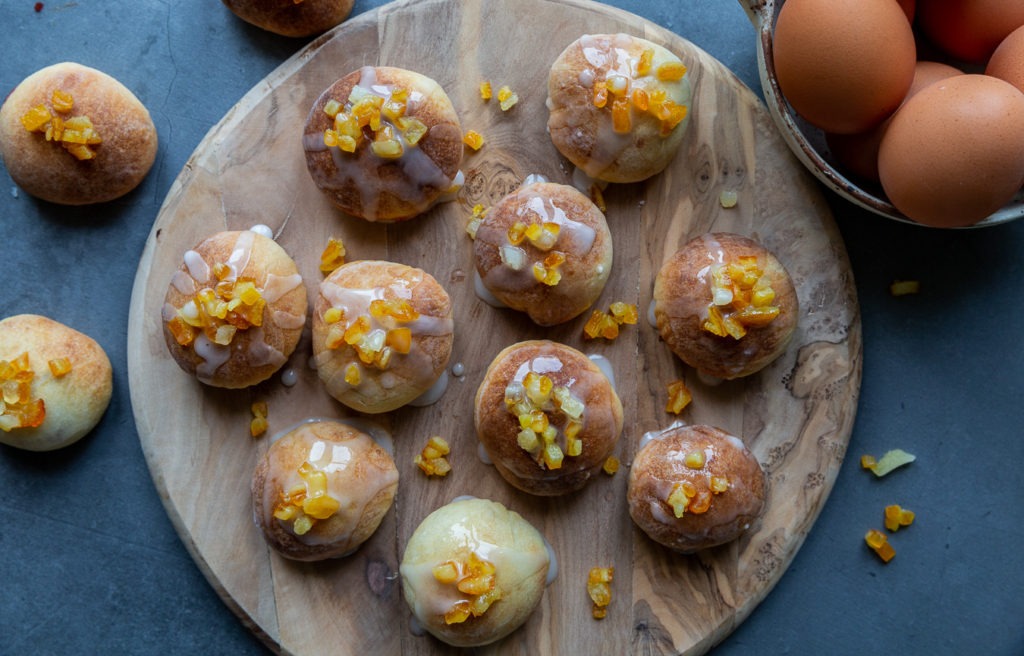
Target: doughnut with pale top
<point>291,17</point>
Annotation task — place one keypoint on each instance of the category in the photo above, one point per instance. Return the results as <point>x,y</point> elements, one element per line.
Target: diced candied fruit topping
<point>643,66</point>
<point>599,589</point>
<point>547,272</point>
<point>879,543</point>
<point>695,459</point>
<point>479,213</point>
<point>17,407</point>
<point>333,255</point>
<point>76,134</point>
<point>375,337</point>
<point>897,516</point>
<point>670,71</point>
<point>543,235</point>
<point>718,484</point>
<point>473,139</point>
<point>606,324</point>
<point>486,92</point>
<point>507,98</point>
<point>868,461</point>
<point>219,312</point>
<point>59,367</point>
<point>741,298</point>
<point>258,424</point>
<point>474,577</point>
<point>621,96</point>
<point>904,287</point>
<point>391,130</point>
<point>611,465</point>
<point>533,401</point>
<point>432,460</point>
<point>679,498</point>
<point>679,397</point>
<point>308,502</point>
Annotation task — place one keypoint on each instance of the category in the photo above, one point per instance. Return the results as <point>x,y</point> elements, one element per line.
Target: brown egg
<point>858,153</point>
<point>969,29</point>
<point>844,65</point>
<point>1007,62</point>
<point>954,153</point>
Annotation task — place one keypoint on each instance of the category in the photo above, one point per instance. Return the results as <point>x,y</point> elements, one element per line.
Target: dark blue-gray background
<point>90,564</point>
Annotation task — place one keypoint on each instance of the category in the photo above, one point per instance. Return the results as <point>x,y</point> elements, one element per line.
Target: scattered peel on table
<point>258,425</point>
<point>600,590</point>
<point>896,517</point>
<point>879,543</point>
<point>433,460</point>
<point>904,287</point>
<point>611,465</point>
<point>893,459</point>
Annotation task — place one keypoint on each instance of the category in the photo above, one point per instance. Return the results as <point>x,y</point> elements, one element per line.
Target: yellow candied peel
<point>18,409</point>
<point>606,324</point>
<point>375,337</point>
<point>333,255</point>
<point>474,577</point>
<point>432,460</point>
<point>473,139</point>
<point>507,98</point>
<point>896,517</point>
<point>679,397</point>
<point>486,92</point>
<point>741,297</point>
<point>599,589</point>
<point>479,214</point>
<point>892,459</point>
<point>307,502</point>
<point>611,465</point>
<point>258,424</point>
<point>391,128</point>
<point>879,543</point>
<point>76,134</point>
<point>59,367</point>
<point>618,93</point>
<point>904,287</point>
<point>531,401</point>
<point>219,312</point>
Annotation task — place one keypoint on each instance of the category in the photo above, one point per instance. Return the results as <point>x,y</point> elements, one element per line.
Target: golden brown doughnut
<point>321,490</point>
<point>382,334</point>
<point>393,174</point>
<point>618,106</point>
<point>557,387</point>
<point>474,544</point>
<point>694,487</point>
<point>53,409</point>
<point>213,276</point>
<point>43,168</point>
<point>688,314</point>
<point>544,233</point>
<point>291,17</point>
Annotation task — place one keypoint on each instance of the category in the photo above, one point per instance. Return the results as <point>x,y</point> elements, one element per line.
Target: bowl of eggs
<point>911,109</point>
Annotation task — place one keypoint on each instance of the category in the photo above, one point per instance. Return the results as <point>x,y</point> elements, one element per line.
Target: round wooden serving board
<point>795,415</point>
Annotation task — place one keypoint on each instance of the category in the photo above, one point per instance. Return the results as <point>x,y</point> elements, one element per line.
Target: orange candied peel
<point>741,297</point>
<point>474,577</point>
<point>391,128</point>
<point>258,424</point>
<point>507,98</point>
<point>619,93</point>
<point>611,465</point>
<point>897,517</point>
<point>333,255</point>
<point>879,543</point>
<point>76,134</point>
<point>679,397</point>
<point>479,214</point>
<point>432,460</point>
<point>904,287</point>
<point>17,407</point>
<point>534,401</point>
<point>375,337</point>
<point>308,502</point>
<point>486,92</point>
<point>59,367</point>
<point>473,139</point>
<point>606,324</point>
<point>893,459</point>
<point>599,589</point>
<point>219,312</point>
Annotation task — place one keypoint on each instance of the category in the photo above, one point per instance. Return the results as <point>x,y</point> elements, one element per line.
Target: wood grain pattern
<point>796,415</point>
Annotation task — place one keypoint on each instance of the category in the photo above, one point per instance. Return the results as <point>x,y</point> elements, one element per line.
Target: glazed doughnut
<point>291,17</point>
<point>397,171</point>
<point>473,572</point>
<point>547,416</point>
<point>725,305</point>
<point>695,487</point>
<point>619,106</point>
<point>56,383</point>
<point>321,490</point>
<point>234,310</point>
<point>544,249</point>
<point>382,334</point>
<point>102,141</point>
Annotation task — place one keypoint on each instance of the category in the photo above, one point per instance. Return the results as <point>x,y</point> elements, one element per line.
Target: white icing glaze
<point>605,365</point>
<point>289,377</point>
<point>434,394</point>
<point>483,293</point>
<point>261,229</point>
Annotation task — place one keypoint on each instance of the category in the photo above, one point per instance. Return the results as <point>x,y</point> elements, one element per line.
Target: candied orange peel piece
<point>59,367</point>
<point>892,460</point>
<point>219,312</point>
<point>76,134</point>
<point>333,255</point>
<point>18,408</point>
<point>507,98</point>
<point>611,465</point>
<point>258,424</point>
<point>533,401</point>
<point>486,91</point>
<point>473,139</point>
<point>391,129</point>
<point>679,396</point>
<point>741,297</point>
<point>897,517</point>
<point>599,589</point>
<point>474,577</point>
<point>904,287</point>
<point>432,460</point>
<point>308,502</point>
<point>879,543</point>
<point>606,324</point>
